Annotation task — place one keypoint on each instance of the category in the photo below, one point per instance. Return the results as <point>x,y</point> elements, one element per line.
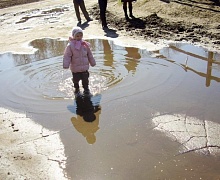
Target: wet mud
<point>152,114</point>
<point>154,28</point>
<point>9,3</point>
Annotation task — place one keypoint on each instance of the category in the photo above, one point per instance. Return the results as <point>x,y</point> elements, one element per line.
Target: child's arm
<point>67,57</point>
<point>91,58</point>
<point>90,55</point>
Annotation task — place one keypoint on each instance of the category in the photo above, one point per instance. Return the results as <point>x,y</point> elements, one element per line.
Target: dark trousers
<point>81,4</point>
<point>84,76</point>
<point>103,7</point>
<point>129,7</point>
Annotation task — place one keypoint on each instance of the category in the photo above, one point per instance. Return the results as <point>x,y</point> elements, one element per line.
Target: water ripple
<point>40,76</point>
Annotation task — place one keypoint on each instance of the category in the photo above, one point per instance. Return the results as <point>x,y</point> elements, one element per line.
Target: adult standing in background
<point>103,7</point>
<point>81,4</point>
<point>130,7</point>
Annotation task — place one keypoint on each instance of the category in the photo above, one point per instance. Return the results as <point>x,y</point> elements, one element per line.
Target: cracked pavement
<point>28,150</point>
<point>200,136</point>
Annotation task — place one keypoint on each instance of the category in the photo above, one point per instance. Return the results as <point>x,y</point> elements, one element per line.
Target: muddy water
<point>157,113</point>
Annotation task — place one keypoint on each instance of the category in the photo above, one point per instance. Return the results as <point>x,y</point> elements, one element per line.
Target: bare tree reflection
<point>48,48</point>
<point>45,48</point>
<point>177,50</point>
<point>209,69</point>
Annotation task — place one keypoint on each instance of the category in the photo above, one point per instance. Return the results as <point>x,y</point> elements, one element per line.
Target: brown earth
<point>196,21</point>
<point>8,3</point>
<point>190,20</point>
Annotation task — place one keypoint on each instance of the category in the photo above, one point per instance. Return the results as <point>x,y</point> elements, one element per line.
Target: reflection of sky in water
<point>195,59</point>
<point>6,62</point>
<point>43,70</point>
<point>134,85</point>
<point>39,76</point>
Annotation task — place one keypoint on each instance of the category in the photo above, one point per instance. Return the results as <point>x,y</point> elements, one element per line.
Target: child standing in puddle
<point>78,57</point>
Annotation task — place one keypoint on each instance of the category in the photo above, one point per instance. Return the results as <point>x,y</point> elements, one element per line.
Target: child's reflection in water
<point>87,120</point>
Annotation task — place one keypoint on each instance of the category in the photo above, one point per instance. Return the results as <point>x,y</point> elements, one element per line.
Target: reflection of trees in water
<point>175,52</point>
<point>208,74</point>
<point>114,57</point>
<point>173,47</point>
<point>45,48</point>
<point>21,59</point>
<point>17,59</point>
<point>48,48</point>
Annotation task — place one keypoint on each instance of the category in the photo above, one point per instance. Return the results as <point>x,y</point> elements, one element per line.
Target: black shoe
<point>105,28</point>
<point>79,23</point>
<point>131,15</point>
<point>89,19</point>
<point>76,91</point>
<point>87,92</point>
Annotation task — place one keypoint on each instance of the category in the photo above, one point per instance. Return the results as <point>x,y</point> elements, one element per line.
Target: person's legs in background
<point>76,7</point>
<point>125,9</point>
<point>103,7</point>
<point>130,7</point>
<point>84,11</point>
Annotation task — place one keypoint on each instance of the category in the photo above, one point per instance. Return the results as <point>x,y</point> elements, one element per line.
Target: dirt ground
<point>195,21</point>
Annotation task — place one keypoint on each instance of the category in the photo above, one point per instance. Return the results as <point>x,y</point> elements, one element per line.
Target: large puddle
<point>157,116</point>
